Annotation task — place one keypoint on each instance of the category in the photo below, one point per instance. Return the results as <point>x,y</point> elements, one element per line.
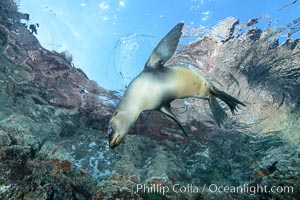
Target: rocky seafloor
<point>53,121</point>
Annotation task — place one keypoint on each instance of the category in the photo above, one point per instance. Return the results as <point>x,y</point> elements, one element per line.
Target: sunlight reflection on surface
<point>91,30</point>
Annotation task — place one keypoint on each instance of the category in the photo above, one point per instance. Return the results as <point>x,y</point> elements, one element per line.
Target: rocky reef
<point>53,120</point>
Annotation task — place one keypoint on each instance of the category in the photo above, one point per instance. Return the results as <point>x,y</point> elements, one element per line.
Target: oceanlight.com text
<point>212,188</point>
<point>250,189</point>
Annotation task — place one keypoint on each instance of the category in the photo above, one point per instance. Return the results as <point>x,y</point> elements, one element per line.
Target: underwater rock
<point>53,121</point>
<point>5,139</point>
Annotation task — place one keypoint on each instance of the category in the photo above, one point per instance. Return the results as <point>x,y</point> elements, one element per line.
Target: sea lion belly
<point>149,90</point>
<point>187,83</point>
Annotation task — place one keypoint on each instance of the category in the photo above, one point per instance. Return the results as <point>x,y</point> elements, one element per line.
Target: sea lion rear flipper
<point>219,114</point>
<point>165,48</point>
<point>167,111</point>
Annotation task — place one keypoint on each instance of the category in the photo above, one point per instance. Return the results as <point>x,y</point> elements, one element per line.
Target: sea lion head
<point>117,128</point>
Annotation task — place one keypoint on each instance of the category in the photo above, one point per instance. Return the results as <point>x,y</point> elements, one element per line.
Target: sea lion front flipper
<point>165,48</point>
<point>166,109</point>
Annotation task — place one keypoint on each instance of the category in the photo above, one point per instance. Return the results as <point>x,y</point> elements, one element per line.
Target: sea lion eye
<point>110,131</point>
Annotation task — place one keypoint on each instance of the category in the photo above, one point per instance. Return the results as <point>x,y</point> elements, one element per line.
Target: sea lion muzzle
<point>114,141</point>
<point>114,138</point>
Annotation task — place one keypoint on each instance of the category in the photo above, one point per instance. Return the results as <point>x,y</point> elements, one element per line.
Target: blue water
<point>91,30</point>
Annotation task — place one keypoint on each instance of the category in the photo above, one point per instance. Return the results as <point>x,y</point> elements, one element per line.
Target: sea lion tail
<point>218,113</point>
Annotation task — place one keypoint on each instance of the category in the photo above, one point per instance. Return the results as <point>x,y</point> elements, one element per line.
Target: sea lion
<point>158,85</point>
